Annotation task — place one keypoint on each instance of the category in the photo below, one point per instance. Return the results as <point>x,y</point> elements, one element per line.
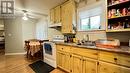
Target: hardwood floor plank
<point>18,64</point>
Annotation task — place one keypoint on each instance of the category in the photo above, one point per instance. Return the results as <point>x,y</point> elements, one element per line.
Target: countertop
<point>121,49</point>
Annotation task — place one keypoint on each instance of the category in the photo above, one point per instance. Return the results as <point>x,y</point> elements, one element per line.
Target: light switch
<point>9,34</point>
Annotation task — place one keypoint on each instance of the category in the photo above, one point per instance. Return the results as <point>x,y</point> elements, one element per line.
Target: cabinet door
<point>64,18</point>
<point>52,16</point>
<point>89,65</point>
<point>67,16</point>
<point>77,64</point>
<point>59,59</point>
<point>124,69</point>
<point>67,62</point>
<point>58,14</point>
<point>63,60</point>
<point>112,68</point>
<point>108,68</point>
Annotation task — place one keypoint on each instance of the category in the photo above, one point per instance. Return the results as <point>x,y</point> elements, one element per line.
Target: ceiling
<point>35,8</point>
<point>38,6</point>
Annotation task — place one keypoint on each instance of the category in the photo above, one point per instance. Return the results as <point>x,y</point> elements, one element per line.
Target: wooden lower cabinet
<point>60,59</point>
<point>112,68</point>
<point>77,64</point>
<point>89,65</point>
<point>63,60</point>
<point>74,61</point>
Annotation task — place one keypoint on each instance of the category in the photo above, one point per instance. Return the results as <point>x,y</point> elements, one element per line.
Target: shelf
<point>122,3</point>
<point>118,30</point>
<point>127,16</point>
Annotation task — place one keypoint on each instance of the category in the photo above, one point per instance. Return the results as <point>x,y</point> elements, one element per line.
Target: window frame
<point>80,23</point>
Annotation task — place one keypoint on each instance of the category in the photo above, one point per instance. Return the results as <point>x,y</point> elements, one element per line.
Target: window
<point>90,18</point>
<point>85,24</point>
<point>90,23</point>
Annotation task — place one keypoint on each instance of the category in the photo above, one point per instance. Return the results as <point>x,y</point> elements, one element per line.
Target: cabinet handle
<point>95,53</point>
<point>97,63</point>
<point>62,48</point>
<point>84,59</point>
<point>115,59</point>
<point>70,70</point>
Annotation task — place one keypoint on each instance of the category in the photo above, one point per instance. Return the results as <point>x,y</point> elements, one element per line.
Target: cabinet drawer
<point>63,48</point>
<point>123,60</point>
<point>112,68</point>
<point>108,57</point>
<point>86,52</point>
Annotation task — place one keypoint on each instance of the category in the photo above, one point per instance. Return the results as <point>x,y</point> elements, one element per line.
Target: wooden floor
<point>17,64</point>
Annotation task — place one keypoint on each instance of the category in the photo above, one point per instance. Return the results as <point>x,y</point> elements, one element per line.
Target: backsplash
<point>92,35</point>
<point>122,36</point>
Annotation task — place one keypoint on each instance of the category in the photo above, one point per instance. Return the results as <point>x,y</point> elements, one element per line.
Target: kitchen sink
<point>87,43</point>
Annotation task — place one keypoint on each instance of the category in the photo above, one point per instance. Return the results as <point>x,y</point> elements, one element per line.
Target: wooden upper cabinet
<point>55,15</point>
<point>58,14</point>
<point>68,13</point>
<point>52,16</point>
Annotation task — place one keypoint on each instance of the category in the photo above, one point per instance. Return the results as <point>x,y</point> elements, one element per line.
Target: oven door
<point>49,50</point>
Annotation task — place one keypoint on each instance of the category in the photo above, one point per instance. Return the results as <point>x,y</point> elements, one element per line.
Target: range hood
<point>56,25</point>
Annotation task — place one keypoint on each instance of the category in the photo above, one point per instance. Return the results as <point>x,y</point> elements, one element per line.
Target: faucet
<point>87,37</point>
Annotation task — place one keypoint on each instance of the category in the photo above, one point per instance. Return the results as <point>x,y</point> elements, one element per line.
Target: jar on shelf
<point>124,11</point>
<point>113,13</point>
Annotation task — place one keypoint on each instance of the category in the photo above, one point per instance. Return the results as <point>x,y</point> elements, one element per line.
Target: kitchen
<point>85,36</point>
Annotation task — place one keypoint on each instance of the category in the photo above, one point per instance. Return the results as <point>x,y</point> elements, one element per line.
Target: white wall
<point>42,29</point>
<point>13,36</point>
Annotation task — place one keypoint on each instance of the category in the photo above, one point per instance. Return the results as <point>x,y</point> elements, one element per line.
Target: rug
<point>41,67</point>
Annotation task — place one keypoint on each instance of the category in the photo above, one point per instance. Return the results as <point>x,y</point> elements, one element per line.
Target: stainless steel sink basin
<point>87,43</point>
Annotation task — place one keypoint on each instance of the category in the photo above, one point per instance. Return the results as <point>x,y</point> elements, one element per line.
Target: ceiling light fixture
<point>25,16</point>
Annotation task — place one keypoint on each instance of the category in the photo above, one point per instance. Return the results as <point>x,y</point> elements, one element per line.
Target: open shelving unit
<point>118,16</point>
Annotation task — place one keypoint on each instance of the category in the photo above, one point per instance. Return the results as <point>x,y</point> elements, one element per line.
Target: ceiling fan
<point>29,14</point>
<point>26,14</point>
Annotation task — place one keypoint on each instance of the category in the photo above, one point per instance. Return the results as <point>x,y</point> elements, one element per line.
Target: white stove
<point>49,50</point>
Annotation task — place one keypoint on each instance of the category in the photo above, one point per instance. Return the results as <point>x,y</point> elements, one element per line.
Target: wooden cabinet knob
<point>115,59</point>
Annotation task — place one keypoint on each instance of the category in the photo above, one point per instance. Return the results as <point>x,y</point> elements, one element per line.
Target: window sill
<point>91,30</point>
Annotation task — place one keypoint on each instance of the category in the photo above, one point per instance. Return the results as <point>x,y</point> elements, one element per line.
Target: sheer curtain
<point>42,29</point>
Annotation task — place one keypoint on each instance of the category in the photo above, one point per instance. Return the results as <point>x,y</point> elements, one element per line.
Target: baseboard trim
<point>15,53</point>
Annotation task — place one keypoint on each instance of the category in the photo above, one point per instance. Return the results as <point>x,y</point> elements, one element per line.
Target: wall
<point>13,36</point>
<point>16,31</point>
